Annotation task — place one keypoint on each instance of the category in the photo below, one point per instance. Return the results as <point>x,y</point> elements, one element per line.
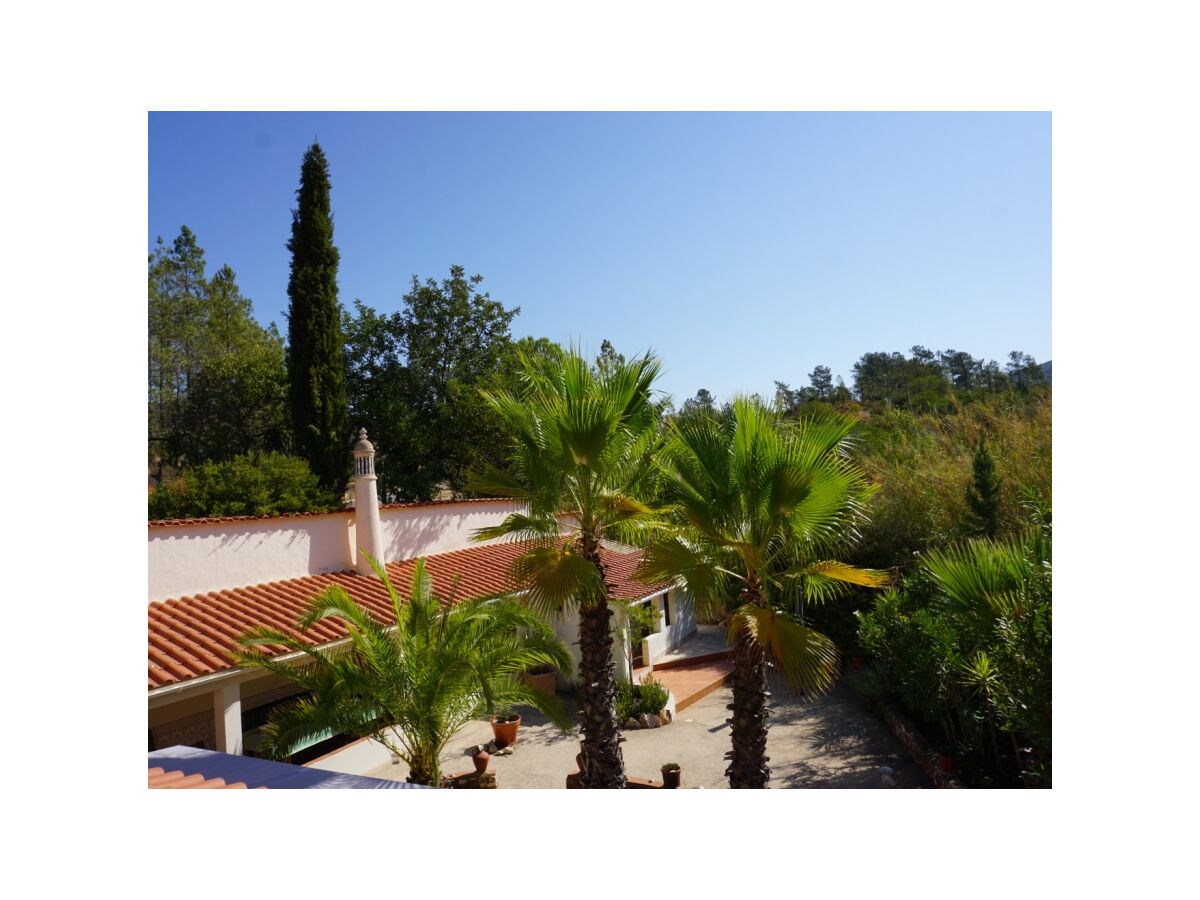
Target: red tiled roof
<point>193,636</point>
<point>157,777</point>
<point>345,511</point>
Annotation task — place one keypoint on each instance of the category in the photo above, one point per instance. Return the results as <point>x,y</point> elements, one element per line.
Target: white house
<point>210,580</point>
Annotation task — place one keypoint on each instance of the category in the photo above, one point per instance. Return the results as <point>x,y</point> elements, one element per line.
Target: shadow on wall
<point>408,533</point>
<point>328,540</point>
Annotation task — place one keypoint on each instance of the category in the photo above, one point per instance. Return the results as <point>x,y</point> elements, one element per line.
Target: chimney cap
<point>363,445</point>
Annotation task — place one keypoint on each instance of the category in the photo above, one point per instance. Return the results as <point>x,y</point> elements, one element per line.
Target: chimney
<point>367,529</point>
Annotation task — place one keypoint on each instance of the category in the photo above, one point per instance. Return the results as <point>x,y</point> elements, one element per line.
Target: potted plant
<point>542,679</point>
<point>504,728</point>
<point>671,775</point>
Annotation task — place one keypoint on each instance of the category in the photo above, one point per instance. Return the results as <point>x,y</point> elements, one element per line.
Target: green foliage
<point>654,695</point>
<point>643,620</point>
<point>216,379</point>
<point>965,647</point>
<point>983,493</point>
<point>414,379</point>
<point>752,498</point>
<point>316,361</point>
<point>649,697</point>
<point>926,380</point>
<point>254,484</point>
<point>755,509</point>
<point>413,687</point>
<point>584,440</point>
<point>892,379</point>
<point>922,461</point>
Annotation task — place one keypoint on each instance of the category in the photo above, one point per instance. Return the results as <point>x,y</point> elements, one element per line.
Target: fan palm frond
<point>807,658</point>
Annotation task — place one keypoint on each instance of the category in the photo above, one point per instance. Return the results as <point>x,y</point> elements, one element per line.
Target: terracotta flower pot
<point>481,759</point>
<point>947,763</point>
<point>545,682</point>
<point>505,733</point>
<point>671,778</point>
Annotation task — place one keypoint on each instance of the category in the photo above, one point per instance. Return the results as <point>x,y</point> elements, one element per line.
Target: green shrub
<point>654,696</point>
<point>634,699</point>
<point>643,619</point>
<point>626,702</point>
<point>256,484</point>
<point>965,648</point>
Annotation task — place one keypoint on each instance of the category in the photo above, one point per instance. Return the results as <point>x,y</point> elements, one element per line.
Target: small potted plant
<point>504,727</point>
<point>671,775</point>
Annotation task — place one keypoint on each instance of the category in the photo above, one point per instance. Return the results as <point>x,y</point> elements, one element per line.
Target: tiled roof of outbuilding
<point>193,636</point>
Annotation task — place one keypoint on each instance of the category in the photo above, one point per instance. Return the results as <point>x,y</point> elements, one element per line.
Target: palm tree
<point>413,686</point>
<point>758,507</point>
<point>584,442</point>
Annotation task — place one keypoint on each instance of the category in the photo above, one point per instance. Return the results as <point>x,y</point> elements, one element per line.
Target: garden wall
<point>196,556</point>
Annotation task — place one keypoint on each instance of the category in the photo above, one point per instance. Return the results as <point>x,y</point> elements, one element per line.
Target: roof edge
<point>344,511</point>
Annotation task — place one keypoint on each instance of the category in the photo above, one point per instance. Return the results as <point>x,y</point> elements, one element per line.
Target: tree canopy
<point>414,380</point>
<point>217,379</point>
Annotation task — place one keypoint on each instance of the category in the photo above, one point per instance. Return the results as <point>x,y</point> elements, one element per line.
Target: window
<point>667,609</point>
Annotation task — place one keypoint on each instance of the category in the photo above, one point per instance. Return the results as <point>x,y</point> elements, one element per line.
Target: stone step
<point>694,681</point>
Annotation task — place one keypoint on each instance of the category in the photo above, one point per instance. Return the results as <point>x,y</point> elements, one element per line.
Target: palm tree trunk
<point>748,724</point>
<point>603,762</point>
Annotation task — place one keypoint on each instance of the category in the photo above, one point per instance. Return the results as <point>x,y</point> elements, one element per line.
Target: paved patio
<point>832,742</point>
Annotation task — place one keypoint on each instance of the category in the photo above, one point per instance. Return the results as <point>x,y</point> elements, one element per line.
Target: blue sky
<point>743,248</point>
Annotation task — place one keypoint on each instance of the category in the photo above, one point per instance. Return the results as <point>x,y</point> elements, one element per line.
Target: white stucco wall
<point>414,531</point>
<point>668,637</point>
<point>683,617</point>
<point>195,558</point>
<point>655,645</point>
<point>566,626</point>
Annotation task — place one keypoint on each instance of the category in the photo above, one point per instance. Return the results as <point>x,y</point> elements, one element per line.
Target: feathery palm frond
<point>413,685</point>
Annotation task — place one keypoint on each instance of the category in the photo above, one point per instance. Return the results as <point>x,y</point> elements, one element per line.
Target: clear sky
<point>742,248</point>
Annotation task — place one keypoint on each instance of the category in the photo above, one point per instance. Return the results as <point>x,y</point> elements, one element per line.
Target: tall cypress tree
<point>316,354</point>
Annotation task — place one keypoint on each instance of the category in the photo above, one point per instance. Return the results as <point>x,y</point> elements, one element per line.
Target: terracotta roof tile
<point>193,636</point>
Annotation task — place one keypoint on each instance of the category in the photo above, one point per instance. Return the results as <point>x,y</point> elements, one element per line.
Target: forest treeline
<point>218,397</point>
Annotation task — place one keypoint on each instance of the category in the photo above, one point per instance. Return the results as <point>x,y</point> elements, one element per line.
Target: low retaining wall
<point>923,754</point>
<point>471,780</point>
<point>631,782</point>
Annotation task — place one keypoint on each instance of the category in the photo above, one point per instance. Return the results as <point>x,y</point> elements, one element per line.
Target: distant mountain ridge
<point>1046,367</point>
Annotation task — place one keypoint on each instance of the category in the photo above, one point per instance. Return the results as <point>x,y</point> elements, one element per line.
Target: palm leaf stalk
<point>584,440</point>
<point>756,508</point>
<point>410,686</point>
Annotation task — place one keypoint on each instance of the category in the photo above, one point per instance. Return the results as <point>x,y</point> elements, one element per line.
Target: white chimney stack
<point>367,529</point>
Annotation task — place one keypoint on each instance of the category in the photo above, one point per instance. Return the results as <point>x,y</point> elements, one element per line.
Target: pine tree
<point>983,493</point>
<point>316,355</point>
